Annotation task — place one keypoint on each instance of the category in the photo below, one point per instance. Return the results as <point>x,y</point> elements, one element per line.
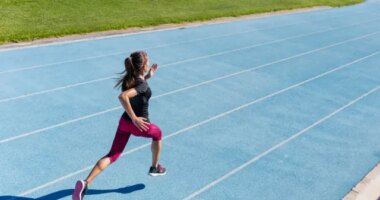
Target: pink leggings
<point>124,131</point>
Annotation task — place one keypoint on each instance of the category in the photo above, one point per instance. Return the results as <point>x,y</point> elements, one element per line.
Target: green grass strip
<point>23,20</point>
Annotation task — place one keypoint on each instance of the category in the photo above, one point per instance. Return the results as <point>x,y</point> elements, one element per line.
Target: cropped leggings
<point>124,131</point>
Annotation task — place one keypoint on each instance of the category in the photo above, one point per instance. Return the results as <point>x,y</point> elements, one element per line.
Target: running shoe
<point>157,171</point>
<point>80,190</point>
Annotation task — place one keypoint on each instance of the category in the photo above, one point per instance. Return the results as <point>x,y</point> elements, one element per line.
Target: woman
<point>135,120</point>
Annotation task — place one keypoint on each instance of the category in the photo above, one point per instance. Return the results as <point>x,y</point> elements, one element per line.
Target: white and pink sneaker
<point>80,190</point>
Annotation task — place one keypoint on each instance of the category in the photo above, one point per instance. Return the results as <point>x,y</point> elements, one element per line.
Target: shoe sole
<point>79,187</point>
<point>156,174</point>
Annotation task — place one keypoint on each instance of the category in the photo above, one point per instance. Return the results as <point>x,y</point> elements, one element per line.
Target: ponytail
<point>133,65</point>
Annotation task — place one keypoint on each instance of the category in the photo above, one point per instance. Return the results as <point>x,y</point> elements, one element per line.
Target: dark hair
<point>133,66</point>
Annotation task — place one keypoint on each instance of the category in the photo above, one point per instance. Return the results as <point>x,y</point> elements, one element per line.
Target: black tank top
<point>140,102</point>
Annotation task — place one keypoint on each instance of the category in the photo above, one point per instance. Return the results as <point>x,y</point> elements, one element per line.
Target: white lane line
<point>147,48</point>
<point>55,89</point>
<point>163,66</point>
<point>56,181</point>
<point>204,122</point>
<point>178,90</point>
<point>187,60</point>
<point>58,125</point>
<point>275,147</point>
<point>160,30</point>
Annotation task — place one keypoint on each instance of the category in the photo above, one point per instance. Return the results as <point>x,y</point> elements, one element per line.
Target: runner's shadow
<point>64,193</point>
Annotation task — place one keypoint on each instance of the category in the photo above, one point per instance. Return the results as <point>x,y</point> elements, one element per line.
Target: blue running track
<point>281,107</point>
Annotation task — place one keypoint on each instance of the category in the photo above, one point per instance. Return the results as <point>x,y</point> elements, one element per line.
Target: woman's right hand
<point>140,123</point>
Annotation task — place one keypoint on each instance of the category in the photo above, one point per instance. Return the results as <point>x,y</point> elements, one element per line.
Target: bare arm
<point>151,71</point>
<point>124,100</point>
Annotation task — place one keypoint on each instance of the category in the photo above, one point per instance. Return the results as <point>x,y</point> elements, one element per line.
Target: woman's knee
<point>156,132</point>
<point>109,159</point>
